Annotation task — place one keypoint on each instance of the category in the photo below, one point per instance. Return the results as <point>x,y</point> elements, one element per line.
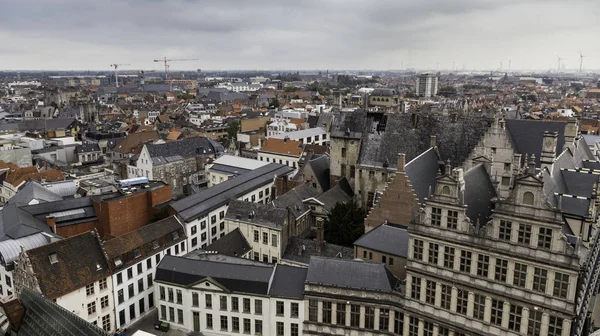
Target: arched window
<point>446,190</point>
<point>528,198</point>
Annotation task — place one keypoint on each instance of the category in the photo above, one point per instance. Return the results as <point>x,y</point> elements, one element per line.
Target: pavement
<point>146,324</point>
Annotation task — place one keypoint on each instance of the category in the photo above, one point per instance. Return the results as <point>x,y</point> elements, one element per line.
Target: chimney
<point>14,311</point>
<point>549,144</point>
<point>571,130</point>
<point>51,221</point>
<point>432,141</point>
<point>320,234</point>
<point>531,166</point>
<point>401,162</point>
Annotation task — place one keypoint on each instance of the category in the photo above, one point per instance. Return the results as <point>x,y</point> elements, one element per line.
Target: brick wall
<point>73,230</point>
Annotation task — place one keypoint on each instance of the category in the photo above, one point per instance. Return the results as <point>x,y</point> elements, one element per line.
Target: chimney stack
<point>432,141</point>
<point>401,162</point>
<point>14,311</point>
<point>531,167</point>
<point>549,144</point>
<point>320,234</point>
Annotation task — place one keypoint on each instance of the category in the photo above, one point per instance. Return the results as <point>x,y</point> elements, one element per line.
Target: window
<point>452,220</point>
<point>279,329</point>
<point>149,280</point>
<point>157,257</point>
<point>224,326</point>
<point>561,285</point>
<point>151,300</point>
<point>524,234</point>
<point>462,301</point>
<point>415,288</point>
<point>496,317</point>
<point>235,304</point>
<point>104,302</point>
<point>479,307</point>
<point>149,263</point>
<point>354,315</point>
<point>246,326</point>
<point>434,250</point>
<point>129,273</point>
<point>343,152</point>
<point>312,310</point>
<point>137,253</point>
<point>235,324</point>
<point>442,331</point>
<point>520,275</point>
<point>514,317</point>
<point>280,308</point>
<point>223,302</point>
<point>195,228</point>
<point>257,327</point>
<point>555,326</point>
<point>140,285</point>
<point>213,219</point>
<point>535,323</point>
<point>119,278</point>
<point>326,311</point>
<point>265,238</point>
<point>208,299</point>
<point>430,292</point>
<point>131,292</point>
<point>294,309</point>
<point>209,321</point>
<point>265,258</point>
<point>501,269</point>
<point>340,313</point>
<point>413,326</point>
<point>398,322</point>
<point>427,328</point>
<point>162,293</point>
<point>505,230</point>
<point>507,166</point>
<point>384,319</point>
<point>179,316</point>
<point>545,238</point>
<point>247,306</point>
<point>539,279</point>
<point>294,329</point>
<point>163,312</point>
<point>505,180</point>
<point>418,249</point>
<point>465,261</point>
<point>91,308</point>
<point>102,284</point>
<point>391,261</point>
<point>446,296</point>
<point>106,322</point>
<point>448,257</point>
<point>436,216</point>
<point>258,307</point>
<point>89,289</point>
<point>195,300</point>
<point>274,240</point>
<point>221,214</point>
<point>369,318</point>
<point>445,190</point>
<point>528,198</point>
<point>483,264</point>
<point>256,235</point>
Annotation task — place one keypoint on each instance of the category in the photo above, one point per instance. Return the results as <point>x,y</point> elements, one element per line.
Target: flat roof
<point>240,162</point>
<point>300,134</point>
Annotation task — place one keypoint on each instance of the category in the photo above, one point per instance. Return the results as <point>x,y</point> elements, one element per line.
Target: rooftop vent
<point>53,258</point>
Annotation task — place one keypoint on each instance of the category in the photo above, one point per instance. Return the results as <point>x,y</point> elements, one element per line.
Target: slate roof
<point>288,282</point>
<point>137,239</point>
<point>87,147</point>
<point>133,140</point>
<point>185,148</point>
<point>422,172</point>
<point>320,167</point>
<point>33,190</point>
<point>350,274</point>
<point>300,250</point>
<point>479,190</point>
<point>42,317</point>
<point>39,125</point>
<point>233,244</point>
<point>16,223</point>
<point>241,278</point>
<point>74,269</point>
<point>293,199</point>
<point>387,239</point>
<point>257,214</point>
<point>66,212</point>
<point>340,193</point>
<point>220,168</point>
<point>527,135</point>
<point>195,205</point>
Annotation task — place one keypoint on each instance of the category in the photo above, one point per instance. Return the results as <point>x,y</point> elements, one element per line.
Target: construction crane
<point>167,62</point>
<point>116,66</point>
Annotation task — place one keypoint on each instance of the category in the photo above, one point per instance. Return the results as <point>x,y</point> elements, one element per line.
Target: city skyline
<point>482,35</point>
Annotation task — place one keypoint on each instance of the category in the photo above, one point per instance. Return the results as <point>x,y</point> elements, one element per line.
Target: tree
<point>232,130</point>
<point>274,103</point>
<point>344,224</point>
<point>290,89</point>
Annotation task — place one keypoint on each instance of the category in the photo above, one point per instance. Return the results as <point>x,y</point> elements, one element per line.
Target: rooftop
<point>282,146</point>
<point>387,239</point>
<point>257,214</point>
<point>296,135</point>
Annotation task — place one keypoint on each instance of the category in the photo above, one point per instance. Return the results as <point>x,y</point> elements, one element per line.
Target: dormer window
<point>175,235</point>
<point>528,198</point>
<point>155,244</point>
<point>137,253</point>
<point>118,262</point>
<point>446,190</point>
<point>53,258</point>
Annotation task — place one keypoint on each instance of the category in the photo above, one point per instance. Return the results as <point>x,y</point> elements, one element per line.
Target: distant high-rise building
<point>427,85</point>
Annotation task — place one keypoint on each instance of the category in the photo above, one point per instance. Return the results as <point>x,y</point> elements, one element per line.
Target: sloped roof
<point>422,172</point>
<point>16,223</point>
<point>233,244</point>
<point>282,146</point>
<point>43,317</point>
<point>134,140</point>
<point>33,190</point>
<point>74,269</point>
<point>256,213</point>
<point>479,190</point>
<point>350,274</point>
<point>527,136</point>
<point>87,147</point>
<point>387,239</point>
<point>185,148</point>
<point>288,282</point>
<point>293,199</point>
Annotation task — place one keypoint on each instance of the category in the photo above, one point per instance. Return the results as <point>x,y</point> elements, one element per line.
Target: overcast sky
<point>299,34</point>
